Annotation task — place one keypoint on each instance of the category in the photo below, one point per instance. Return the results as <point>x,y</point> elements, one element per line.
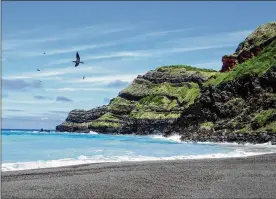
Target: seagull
<point>38,70</point>
<point>83,77</point>
<point>44,53</point>
<point>77,60</point>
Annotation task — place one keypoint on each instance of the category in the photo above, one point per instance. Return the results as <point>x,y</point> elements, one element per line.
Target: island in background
<point>236,104</point>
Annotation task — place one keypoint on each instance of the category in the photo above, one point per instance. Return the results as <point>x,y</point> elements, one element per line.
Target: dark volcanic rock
<point>81,116</point>
<point>230,107</point>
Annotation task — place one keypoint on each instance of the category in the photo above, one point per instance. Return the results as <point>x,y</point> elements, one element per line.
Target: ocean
<point>31,149</point>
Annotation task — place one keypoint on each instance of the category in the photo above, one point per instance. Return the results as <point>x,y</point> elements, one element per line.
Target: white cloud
<point>106,79</point>
<point>104,56</point>
<point>16,33</point>
<point>72,89</point>
<point>153,34</point>
<point>12,44</point>
<point>209,65</point>
<point>51,74</point>
<point>214,39</point>
<point>95,81</point>
<point>143,53</point>
<point>19,101</point>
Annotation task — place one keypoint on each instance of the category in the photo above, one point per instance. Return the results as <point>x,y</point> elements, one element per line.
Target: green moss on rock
<point>153,115</point>
<point>245,129</point>
<point>262,117</point>
<point>119,104</point>
<point>156,102</point>
<point>108,117</point>
<point>181,93</point>
<point>96,124</point>
<point>138,89</point>
<point>207,125</point>
<point>178,70</point>
<point>271,127</point>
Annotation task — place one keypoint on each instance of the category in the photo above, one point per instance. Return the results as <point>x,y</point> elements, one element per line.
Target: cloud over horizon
<point>63,99</point>
<point>117,84</point>
<point>20,85</point>
<point>39,97</point>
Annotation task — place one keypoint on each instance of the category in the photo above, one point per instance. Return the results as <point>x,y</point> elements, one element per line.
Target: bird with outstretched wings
<point>77,60</point>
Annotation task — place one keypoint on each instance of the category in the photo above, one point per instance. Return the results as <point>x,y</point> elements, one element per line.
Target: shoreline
<point>240,177</point>
<point>68,162</point>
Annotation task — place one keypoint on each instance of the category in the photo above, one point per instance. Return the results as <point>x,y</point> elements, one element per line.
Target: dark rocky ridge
<point>199,104</point>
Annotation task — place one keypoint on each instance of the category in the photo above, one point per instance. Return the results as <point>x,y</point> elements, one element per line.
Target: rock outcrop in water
<point>199,104</point>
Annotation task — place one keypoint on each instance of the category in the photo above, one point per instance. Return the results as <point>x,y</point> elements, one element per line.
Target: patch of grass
<point>234,124</point>
<point>235,102</point>
<point>109,117</point>
<point>262,117</point>
<point>156,102</point>
<point>120,103</point>
<point>245,129</point>
<point>271,127</point>
<point>180,70</point>
<point>207,125</point>
<point>254,67</point>
<point>96,124</point>
<point>192,95</point>
<point>181,93</point>
<point>153,115</point>
<point>138,89</point>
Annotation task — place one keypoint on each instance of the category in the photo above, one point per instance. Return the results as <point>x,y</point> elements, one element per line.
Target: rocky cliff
<point>237,104</point>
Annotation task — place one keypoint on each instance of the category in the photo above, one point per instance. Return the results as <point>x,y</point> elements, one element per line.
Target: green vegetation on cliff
<point>118,104</point>
<point>207,125</point>
<point>263,117</point>
<point>253,67</point>
<point>179,70</point>
<point>97,124</point>
<point>263,32</point>
<point>186,93</point>
<point>166,94</point>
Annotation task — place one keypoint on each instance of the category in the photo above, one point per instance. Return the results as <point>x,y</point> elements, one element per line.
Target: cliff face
<point>199,104</point>
<point>147,106</point>
<point>250,47</point>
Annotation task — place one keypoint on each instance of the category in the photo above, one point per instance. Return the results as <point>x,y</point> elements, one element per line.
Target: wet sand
<point>251,177</point>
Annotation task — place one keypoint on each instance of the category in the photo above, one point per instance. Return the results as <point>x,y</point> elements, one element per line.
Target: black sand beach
<point>251,177</point>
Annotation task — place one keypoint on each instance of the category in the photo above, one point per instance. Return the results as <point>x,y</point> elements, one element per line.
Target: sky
<point>116,41</point>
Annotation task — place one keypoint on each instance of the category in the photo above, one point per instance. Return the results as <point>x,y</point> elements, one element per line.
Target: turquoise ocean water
<point>30,149</point>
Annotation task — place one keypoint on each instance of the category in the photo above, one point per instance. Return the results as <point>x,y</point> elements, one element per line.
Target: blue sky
<point>116,41</point>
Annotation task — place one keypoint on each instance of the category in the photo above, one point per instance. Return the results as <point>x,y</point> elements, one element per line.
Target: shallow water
<point>23,149</point>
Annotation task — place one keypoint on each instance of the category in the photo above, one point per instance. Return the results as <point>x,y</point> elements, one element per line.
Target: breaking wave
<point>101,159</point>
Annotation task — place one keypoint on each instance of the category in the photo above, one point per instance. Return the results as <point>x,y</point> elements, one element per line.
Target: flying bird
<point>77,60</point>
<point>37,69</point>
<point>83,77</point>
<point>44,53</point>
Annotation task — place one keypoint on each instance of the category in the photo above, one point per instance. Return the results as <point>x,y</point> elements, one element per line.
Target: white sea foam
<point>92,132</point>
<point>176,138</point>
<point>100,159</point>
